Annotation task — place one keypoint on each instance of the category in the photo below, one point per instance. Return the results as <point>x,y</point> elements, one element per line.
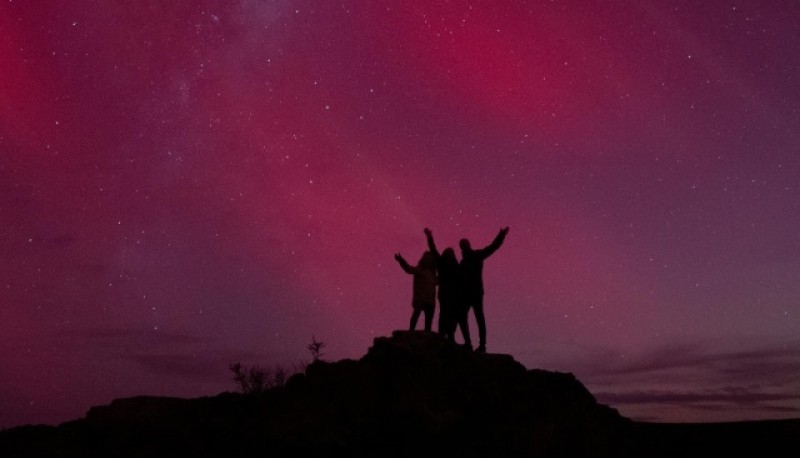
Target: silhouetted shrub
<point>256,379</point>
<point>279,376</point>
<point>316,348</point>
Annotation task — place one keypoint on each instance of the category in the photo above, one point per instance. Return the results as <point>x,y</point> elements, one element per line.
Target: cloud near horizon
<point>691,381</point>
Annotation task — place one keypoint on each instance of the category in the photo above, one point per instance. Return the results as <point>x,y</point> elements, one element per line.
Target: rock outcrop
<point>412,394</point>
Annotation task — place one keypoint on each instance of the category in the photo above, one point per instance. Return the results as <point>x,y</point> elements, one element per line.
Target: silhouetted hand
<point>504,230</point>
<point>398,257</point>
<point>428,231</point>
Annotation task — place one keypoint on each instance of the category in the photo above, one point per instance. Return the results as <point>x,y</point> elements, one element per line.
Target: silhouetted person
<point>424,295</point>
<point>471,269</point>
<point>452,309</point>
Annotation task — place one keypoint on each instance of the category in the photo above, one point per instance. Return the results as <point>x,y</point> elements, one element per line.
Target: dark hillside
<point>412,394</point>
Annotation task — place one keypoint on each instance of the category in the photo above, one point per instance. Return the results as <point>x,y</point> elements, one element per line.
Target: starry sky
<point>187,184</point>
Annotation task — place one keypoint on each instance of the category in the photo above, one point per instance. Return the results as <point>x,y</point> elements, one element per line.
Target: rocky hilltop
<point>412,394</point>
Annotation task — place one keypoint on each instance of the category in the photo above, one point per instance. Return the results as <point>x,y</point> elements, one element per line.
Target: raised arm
<point>431,245</point>
<point>496,243</point>
<point>404,264</point>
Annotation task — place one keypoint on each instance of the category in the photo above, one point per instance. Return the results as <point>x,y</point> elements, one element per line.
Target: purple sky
<point>187,184</point>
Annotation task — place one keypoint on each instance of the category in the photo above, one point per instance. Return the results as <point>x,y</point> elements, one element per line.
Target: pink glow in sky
<point>189,184</point>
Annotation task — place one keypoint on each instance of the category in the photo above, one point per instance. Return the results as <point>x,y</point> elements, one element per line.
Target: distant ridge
<point>413,394</point>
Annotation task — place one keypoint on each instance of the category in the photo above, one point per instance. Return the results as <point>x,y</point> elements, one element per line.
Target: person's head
<point>426,260</point>
<point>465,246</point>
<point>449,258</point>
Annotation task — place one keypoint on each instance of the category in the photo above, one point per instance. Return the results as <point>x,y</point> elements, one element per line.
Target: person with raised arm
<point>424,292</point>
<point>452,310</point>
<point>471,270</point>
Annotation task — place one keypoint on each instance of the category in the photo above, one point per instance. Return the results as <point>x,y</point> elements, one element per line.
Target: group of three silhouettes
<point>460,287</point>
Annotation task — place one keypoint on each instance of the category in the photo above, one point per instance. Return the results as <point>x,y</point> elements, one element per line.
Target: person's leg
<point>464,325</point>
<point>414,318</point>
<point>446,320</point>
<point>478,307</point>
<point>450,324</point>
<point>428,309</point>
<point>442,319</point>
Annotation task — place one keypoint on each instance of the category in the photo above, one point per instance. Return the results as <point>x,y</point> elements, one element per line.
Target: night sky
<point>186,184</point>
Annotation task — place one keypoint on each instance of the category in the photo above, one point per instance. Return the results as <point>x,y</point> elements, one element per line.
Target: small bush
<point>316,348</point>
<point>257,379</point>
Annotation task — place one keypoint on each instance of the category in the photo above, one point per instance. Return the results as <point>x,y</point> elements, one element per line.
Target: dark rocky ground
<point>413,394</point>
